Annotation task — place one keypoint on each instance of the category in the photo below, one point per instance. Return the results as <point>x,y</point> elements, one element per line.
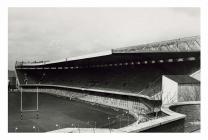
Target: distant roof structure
<point>176,45</point>
<point>183,79</point>
<point>11,73</point>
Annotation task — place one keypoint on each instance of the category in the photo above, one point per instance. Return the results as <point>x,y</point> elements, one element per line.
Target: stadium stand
<point>137,79</point>
<point>122,73</point>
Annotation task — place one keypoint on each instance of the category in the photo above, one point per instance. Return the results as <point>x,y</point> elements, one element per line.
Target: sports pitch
<point>58,112</point>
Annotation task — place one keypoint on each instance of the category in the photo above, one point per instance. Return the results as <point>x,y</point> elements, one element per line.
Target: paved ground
<point>192,120</point>
<point>197,131</point>
<point>87,130</point>
<point>57,112</point>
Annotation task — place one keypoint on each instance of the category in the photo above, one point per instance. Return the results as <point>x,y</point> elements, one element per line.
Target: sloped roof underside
<point>185,47</point>
<point>183,79</point>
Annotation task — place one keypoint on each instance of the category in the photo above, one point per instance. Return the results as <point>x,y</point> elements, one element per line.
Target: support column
<point>37,115</point>
<point>33,110</point>
<point>21,104</point>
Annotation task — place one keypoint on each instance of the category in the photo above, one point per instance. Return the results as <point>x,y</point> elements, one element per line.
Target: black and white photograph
<point>104,69</point>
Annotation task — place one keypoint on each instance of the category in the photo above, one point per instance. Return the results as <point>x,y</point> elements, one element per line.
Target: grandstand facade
<point>129,78</point>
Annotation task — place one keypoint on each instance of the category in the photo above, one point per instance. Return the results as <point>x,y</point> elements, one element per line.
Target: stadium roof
<point>184,47</point>
<point>183,79</point>
<point>176,45</point>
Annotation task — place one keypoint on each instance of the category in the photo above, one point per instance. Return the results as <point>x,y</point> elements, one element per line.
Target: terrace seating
<point>142,79</point>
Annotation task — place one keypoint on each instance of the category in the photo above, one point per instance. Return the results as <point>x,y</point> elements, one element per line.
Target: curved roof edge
<point>92,55</point>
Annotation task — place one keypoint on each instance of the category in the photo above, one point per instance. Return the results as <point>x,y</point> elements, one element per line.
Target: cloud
<point>194,11</point>
<point>55,33</point>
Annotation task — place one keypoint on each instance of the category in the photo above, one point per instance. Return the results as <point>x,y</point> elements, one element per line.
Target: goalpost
<point>33,110</point>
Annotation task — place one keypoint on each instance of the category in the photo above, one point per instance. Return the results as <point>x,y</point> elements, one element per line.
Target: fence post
<point>21,104</point>
<point>37,104</point>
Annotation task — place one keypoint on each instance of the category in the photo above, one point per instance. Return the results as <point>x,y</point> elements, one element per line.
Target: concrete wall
<point>172,92</point>
<point>135,106</point>
<point>188,92</point>
<point>192,112</point>
<point>189,123</point>
<point>175,126</point>
<point>169,91</point>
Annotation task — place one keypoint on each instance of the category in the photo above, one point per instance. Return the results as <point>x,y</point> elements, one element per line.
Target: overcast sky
<point>56,33</point>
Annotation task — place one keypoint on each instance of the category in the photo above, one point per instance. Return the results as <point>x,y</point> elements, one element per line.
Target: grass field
<point>58,112</point>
